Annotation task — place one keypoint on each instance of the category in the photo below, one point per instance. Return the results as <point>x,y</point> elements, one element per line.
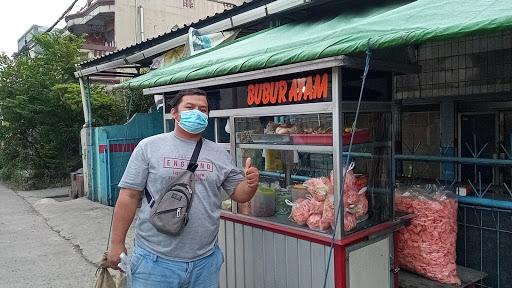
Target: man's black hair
<point>194,92</point>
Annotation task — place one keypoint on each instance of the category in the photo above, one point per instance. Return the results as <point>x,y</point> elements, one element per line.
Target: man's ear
<point>174,113</point>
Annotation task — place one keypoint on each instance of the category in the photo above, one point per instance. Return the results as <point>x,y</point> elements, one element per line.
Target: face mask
<point>193,121</point>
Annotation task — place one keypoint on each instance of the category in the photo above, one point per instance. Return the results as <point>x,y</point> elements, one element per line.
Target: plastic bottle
<point>125,266</point>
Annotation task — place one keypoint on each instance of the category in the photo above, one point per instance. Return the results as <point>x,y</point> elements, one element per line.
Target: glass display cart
<point>296,125</point>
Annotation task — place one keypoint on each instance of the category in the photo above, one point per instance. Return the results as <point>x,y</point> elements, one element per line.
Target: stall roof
<point>252,15</point>
<point>347,33</point>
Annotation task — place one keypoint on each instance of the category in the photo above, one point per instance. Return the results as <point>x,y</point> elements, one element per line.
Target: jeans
<point>151,271</point>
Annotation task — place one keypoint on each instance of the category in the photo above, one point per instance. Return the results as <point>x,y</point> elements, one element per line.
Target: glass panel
<point>420,136</point>
<point>221,131</point>
<point>288,150</point>
<point>378,85</point>
<point>310,129</point>
<point>507,150</point>
<point>368,193</point>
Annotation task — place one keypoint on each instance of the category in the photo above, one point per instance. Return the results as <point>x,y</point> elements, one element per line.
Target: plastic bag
<point>103,277</point>
<point>318,187</point>
<point>315,206</point>
<point>300,210</point>
<point>428,245</point>
<point>310,212</point>
<point>349,221</point>
<point>360,207</point>
<point>314,221</point>
<point>328,217</point>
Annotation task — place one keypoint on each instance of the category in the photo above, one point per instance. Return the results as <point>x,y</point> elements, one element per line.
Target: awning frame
<point>343,60</point>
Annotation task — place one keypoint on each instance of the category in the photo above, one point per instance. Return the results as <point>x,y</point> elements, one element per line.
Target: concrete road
<point>32,254</point>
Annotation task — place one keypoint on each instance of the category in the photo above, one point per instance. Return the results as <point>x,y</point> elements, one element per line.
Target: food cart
<point>295,123</point>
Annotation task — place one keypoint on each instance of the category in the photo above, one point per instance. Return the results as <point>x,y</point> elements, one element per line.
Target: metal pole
<point>337,128</point>
<point>141,23</point>
<point>85,101</point>
<point>461,160</point>
<point>87,162</point>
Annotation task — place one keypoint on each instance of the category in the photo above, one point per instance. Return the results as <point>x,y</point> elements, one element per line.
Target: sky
<point>17,16</point>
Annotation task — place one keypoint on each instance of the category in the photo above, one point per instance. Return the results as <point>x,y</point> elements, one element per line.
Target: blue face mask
<point>193,121</point>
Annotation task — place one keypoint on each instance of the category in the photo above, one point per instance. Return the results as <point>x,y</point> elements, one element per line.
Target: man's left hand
<point>252,174</point>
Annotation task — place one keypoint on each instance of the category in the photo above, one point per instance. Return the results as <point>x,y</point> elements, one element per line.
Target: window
<point>188,3</point>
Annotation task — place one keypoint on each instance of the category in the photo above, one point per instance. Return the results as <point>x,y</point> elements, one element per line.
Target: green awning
<point>346,33</point>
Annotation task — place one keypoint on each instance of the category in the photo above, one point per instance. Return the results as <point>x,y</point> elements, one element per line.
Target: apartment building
<point>115,24</point>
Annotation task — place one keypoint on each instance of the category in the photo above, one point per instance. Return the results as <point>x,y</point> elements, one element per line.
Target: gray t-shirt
<point>155,162</point>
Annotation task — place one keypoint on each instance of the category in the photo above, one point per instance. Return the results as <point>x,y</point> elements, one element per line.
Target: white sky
<point>17,16</point>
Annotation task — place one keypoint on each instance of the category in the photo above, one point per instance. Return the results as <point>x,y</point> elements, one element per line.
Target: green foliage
<point>133,101</point>
<point>41,112</point>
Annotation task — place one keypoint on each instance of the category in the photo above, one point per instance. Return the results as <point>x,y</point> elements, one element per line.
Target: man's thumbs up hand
<point>252,175</point>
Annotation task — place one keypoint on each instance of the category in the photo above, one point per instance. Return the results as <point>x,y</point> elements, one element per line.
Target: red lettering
<point>292,95</point>
<point>266,93</point>
<point>308,92</point>
<point>321,86</point>
<point>301,86</point>
<point>273,92</point>
<point>250,95</point>
<point>283,86</point>
<point>259,91</point>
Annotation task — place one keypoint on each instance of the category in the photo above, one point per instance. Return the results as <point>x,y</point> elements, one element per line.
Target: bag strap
<point>192,166</point>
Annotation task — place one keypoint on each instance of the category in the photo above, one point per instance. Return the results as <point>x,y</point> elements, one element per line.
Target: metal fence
<point>484,243</point>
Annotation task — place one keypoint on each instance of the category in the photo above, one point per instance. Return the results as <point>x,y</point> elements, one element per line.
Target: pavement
<point>50,240</point>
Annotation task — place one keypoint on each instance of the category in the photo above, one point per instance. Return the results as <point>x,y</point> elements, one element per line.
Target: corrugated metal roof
<point>121,53</point>
<point>346,32</point>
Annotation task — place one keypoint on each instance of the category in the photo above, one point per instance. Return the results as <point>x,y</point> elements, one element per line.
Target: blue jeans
<point>151,271</point>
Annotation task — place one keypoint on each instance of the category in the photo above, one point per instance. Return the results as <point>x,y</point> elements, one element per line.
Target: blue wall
<point>112,147</point>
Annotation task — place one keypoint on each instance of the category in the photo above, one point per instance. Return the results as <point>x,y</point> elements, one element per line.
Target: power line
<point>62,16</point>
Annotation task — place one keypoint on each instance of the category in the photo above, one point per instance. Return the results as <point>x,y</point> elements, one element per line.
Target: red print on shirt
<point>181,164</point>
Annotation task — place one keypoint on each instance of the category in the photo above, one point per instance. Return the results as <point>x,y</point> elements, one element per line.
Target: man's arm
<point>247,188</point>
<point>124,212</point>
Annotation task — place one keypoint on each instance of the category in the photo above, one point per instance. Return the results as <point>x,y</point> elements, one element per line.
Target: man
<point>191,259</point>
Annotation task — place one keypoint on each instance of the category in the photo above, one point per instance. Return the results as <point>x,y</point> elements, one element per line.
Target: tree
<point>133,101</point>
<point>41,112</point>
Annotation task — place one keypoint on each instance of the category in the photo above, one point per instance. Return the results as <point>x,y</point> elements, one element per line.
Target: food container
<point>244,136</point>
<point>271,138</point>
<point>298,191</point>
<point>312,139</point>
<point>361,136</point>
<point>263,204</point>
<point>281,207</point>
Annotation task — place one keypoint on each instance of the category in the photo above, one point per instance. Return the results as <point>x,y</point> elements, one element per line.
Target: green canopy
<point>347,33</point>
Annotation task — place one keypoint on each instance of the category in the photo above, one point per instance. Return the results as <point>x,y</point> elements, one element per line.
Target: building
<point>451,113</point>
<point>115,24</point>
<point>26,42</point>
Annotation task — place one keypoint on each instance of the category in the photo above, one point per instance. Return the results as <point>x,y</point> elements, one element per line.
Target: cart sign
<point>296,91</point>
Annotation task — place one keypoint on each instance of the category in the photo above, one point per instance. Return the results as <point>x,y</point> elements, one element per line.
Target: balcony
<point>97,16</point>
<point>96,50</point>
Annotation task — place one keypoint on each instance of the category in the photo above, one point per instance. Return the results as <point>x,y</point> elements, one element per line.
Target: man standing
<point>192,258</point>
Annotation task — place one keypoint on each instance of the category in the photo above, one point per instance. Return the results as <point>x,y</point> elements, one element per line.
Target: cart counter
<point>261,253</point>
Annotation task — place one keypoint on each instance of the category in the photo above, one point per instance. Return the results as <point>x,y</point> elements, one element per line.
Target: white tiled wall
<point>466,66</point>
